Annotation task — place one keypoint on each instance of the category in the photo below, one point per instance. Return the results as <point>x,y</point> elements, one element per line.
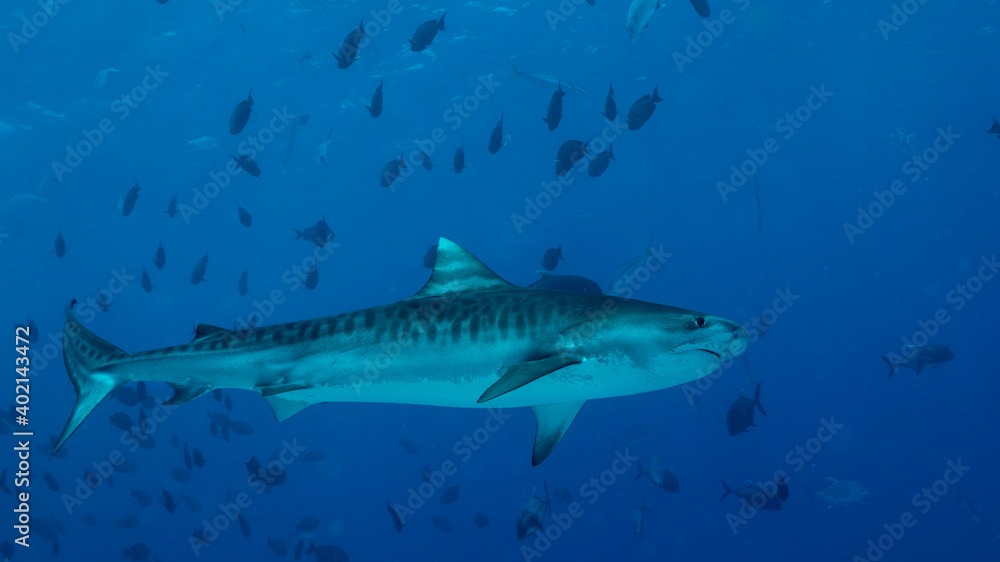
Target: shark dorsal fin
<point>457,271</point>
<point>208,330</point>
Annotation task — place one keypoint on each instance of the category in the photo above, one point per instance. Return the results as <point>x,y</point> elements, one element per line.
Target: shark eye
<point>699,321</point>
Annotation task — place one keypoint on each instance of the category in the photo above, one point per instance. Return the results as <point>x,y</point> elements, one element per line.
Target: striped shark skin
<point>468,339</point>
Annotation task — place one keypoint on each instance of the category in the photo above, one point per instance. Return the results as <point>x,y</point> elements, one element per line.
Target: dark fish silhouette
<point>753,496</point>
<point>121,420</point>
<point>241,285</point>
<point>320,234</point>
<point>570,152</point>
<point>782,488</point>
<point>740,414</point>
<point>303,119</point>
<point>248,164</point>
<point>160,257</point>
<point>426,160</point>
<point>172,207</point>
<point>128,204</point>
<point>188,462</point>
<point>241,114</point>
<point>308,524</point>
<point>441,523</point>
<point>662,479</point>
<point>147,283</point>
<point>168,502</point>
<point>610,108</point>
<point>391,171</point>
<point>312,277</point>
<point>375,109</point>
<point>244,526</point>
<point>930,355</point>
<point>551,258</point>
<point>458,161</point>
<point>480,520</point>
<point>642,110</point>
<point>600,162</point>
<point>138,551</point>
<point>199,459</point>
<point>532,516</point>
<point>327,553</point>
<point>60,247</point>
<point>554,115</point>
<point>995,129</point>
<point>449,495</point>
<point>142,497</point>
<point>409,446</point>
<point>245,218</point>
<point>702,7</point>
<point>496,137</point>
<point>348,51</point>
<point>277,547</point>
<point>397,523</point>
<point>430,256</point>
<point>425,34</point>
<point>198,273</point>
<point>306,55</point>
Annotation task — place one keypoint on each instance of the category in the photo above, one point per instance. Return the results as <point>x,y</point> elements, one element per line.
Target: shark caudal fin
<point>892,366</point>
<point>85,356</point>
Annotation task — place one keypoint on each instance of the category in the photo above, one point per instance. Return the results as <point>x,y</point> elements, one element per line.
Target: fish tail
<point>728,490</point>
<point>87,358</point>
<point>516,71</point>
<point>892,366</point>
<point>656,95</point>
<point>810,492</point>
<point>756,400</point>
<point>641,472</point>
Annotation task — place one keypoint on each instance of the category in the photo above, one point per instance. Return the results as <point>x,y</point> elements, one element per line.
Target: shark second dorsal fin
<point>552,422</point>
<point>457,271</point>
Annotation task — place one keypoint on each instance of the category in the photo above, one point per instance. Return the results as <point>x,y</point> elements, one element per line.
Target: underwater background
<point>820,164</point>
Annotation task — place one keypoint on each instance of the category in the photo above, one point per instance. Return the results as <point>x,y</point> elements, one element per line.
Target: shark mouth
<point>717,356</point>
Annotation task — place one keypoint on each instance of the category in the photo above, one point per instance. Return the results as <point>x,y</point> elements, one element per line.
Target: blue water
<point>859,285</point>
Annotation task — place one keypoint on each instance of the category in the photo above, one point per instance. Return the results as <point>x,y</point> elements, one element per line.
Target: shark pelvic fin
<point>207,330</point>
<point>184,394</point>
<point>284,408</point>
<point>456,270</point>
<point>272,389</point>
<point>520,374</point>
<point>552,422</point>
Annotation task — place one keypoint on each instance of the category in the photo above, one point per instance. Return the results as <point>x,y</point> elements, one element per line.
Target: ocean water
<point>820,164</point>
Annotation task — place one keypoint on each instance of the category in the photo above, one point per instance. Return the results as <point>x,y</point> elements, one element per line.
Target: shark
<point>467,339</point>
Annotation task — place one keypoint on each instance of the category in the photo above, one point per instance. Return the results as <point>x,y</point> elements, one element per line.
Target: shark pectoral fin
<point>456,270</point>
<point>285,408</point>
<point>520,374</point>
<point>552,422</point>
<point>184,394</point>
<point>207,330</point>
<point>272,389</point>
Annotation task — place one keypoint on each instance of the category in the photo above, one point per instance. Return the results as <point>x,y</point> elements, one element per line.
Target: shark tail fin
<point>86,357</point>
<point>516,71</point>
<point>811,494</point>
<point>756,400</point>
<point>892,366</point>
<point>727,492</point>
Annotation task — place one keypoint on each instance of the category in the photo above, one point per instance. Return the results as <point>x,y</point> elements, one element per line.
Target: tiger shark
<point>468,339</point>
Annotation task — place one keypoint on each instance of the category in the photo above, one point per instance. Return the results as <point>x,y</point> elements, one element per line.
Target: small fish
<point>201,143</point>
<point>198,457</point>
<point>121,420</point>
<point>160,257</point>
<point>241,114</point>
<point>180,475</point>
<point>375,109</point>
<point>397,523</point>
<point>569,154</point>
<point>60,246</point>
<point>147,284</point>
<point>198,273</point>
<point>600,162</point>
<point>532,516</point>
<point>306,55</point>
<point>192,503</point>
<point>142,497</point>
<point>430,256</point>
<point>241,428</point>
<point>128,204</point>
<point>836,491</point>
<point>408,445</point>
<point>308,524</point>
<point>328,553</point>
<point>248,164</point>
<point>425,34</point>
<point>241,285</point>
<point>551,258</point>
<point>441,523</point>
<point>277,547</point>
<point>554,114</point>
<point>995,129</point>
<point>245,218</point>
<point>348,51</point>
<point>740,414</point>
<point>187,457</point>
<point>610,107</point>
<point>244,526</point>
<point>128,522</point>
<point>642,110</point>
<point>391,171</point>
<point>782,488</point>
<point>449,496</point>
<point>930,355</point>
<point>320,234</point>
<point>662,479</point>
<point>138,551</point>
<point>637,517</point>
<point>543,80</point>
<point>101,77</point>
<point>171,210</point>
<point>753,496</point>
<point>977,517</point>
<point>480,520</point>
<point>168,502</point>
<point>702,7</point>
<point>458,161</point>
<point>496,137</point>
<point>323,150</point>
<point>312,277</point>
<point>425,160</point>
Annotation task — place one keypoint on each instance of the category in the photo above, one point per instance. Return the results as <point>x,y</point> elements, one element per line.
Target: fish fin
<point>728,490</point>
<point>184,394</point>
<point>811,494</point>
<point>272,389</point>
<point>520,374</point>
<point>285,408</point>
<point>641,473</point>
<point>516,71</point>
<point>457,270</point>
<point>441,22</point>
<point>756,401</point>
<point>892,366</point>
<point>207,330</point>
<point>552,422</point>
<point>86,357</point>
